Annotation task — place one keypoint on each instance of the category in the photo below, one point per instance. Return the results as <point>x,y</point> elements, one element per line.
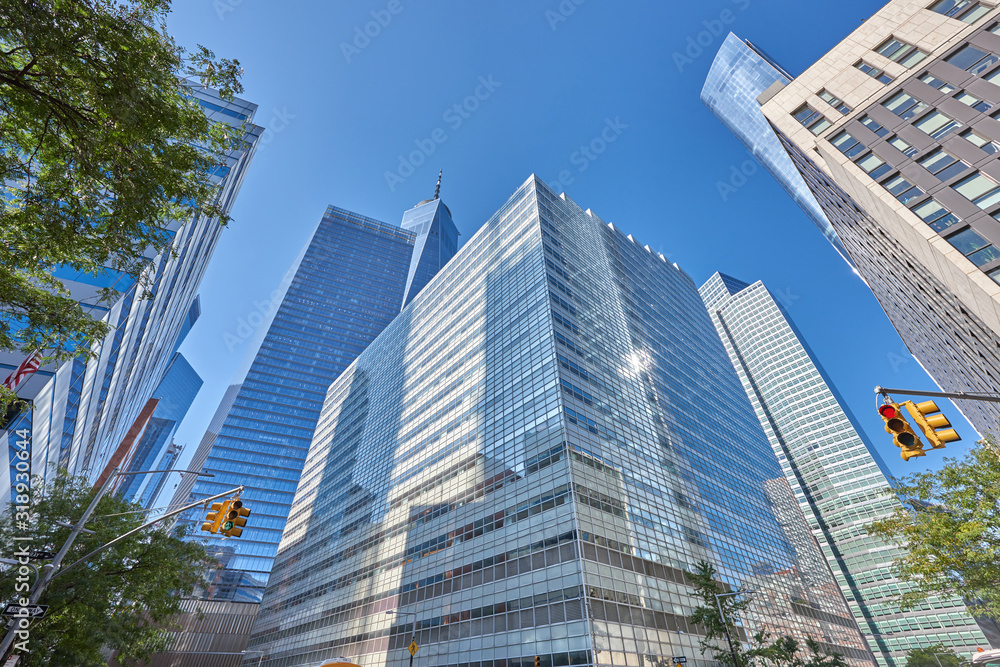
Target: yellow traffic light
<point>215,516</point>
<point>235,519</point>
<point>538,662</point>
<point>903,435</point>
<point>936,428</point>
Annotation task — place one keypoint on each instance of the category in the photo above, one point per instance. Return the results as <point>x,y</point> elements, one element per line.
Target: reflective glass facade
<point>527,470</point>
<point>739,74</point>
<point>836,477</point>
<point>82,411</point>
<point>175,394</point>
<point>349,285</point>
<point>435,242</point>
<point>910,181</point>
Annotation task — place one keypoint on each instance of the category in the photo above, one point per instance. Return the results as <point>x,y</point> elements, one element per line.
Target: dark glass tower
<point>349,285</point>
<point>526,470</point>
<point>176,393</point>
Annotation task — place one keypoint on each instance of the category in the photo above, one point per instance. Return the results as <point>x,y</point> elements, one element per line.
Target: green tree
<point>949,531</point>
<point>762,650</point>
<point>101,149</point>
<point>120,599</point>
<point>925,657</point>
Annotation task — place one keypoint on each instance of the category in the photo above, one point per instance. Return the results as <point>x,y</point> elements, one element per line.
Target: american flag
<point>27,367</point>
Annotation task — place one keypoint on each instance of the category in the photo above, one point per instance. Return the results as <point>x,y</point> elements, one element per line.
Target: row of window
<point>909,56</point>
<point>977,188</point>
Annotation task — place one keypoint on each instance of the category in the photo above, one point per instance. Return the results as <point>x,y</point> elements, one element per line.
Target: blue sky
<point>351,90</point>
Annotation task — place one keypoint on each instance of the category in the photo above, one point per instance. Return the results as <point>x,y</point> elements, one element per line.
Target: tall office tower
<point>174,394</point>
<point>837,479</point>
<point>895,131</point>
<point>525,470</point>
<point>84,411</point>
<point>739,74</point>
<point>182,490</point>
<point>351,281</point>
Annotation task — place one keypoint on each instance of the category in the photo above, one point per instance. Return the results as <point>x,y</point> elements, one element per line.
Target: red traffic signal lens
<point>887,411</point>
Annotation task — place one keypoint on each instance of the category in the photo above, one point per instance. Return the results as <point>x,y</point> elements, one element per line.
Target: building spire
<point>437,189</point>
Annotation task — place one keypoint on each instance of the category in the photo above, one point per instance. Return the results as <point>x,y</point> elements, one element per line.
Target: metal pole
<point>413,634</point>
<point>961,395</point>
<point>939,659</point>
<point>236,490</point>
<point>53,570</point>
<point>725,625</point>
<point>42,582</point>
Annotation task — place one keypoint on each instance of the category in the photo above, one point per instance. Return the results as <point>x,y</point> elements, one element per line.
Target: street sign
<point>40,555</point>
<point>413,648</point>
<point>680,659</point>
<point>30,611</point>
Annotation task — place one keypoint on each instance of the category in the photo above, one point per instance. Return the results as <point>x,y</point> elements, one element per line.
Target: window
<point>873,72</point>
<point>834,101</point>
<point>963,10</point>
<point>937,125</point>
<point>935,82</point>
<point>995,275</point>
<point>943,165</point>
<point>811,119</point>
<point>902,189</point>
<point>898,51</point>
<point>848,145</point>
<point>974,102</point>
<point>905,106</point>
<point>874,165</point>
<point>872,125</point>
<point>936,216</point>
<point>971,59</point>
<point>902,146</point>
<point>977,249</point>
<point>979,189</point>
<point>980,141</point>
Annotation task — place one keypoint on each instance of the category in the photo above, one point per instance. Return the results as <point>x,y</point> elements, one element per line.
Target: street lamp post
<point>939,659</point>
<point>413,636</point>
<point>54,569</point>
<point>725,624</point>
<point>259,652</point>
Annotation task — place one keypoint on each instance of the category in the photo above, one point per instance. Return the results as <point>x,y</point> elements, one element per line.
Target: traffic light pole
<point>234,491</point>
<point>53,570</point>
<point>961,395</point>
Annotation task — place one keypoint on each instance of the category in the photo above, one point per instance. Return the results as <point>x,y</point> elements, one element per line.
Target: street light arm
<point>960,395</point>
<point>236,490</point>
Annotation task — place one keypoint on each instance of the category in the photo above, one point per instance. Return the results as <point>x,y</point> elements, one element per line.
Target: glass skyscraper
<point>523,463</point>
<point>894,131</point>
<point>350,283</point>
<point>739,74</point>
<point>837,478</point>
<point>83,410</point>
<point>175,393</point>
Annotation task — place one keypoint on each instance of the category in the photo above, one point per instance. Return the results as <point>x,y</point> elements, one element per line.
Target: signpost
<point>29,610</point>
